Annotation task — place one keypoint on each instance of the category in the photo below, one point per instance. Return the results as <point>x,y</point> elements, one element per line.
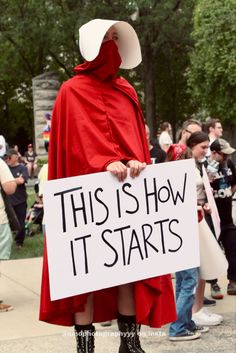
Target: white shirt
<point>165,139</point>
<point>5,176</point>
<point>212,139</point>
<point>2,146</point>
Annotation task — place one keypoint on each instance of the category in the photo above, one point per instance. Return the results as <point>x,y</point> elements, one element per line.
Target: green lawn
<point>33,246</point>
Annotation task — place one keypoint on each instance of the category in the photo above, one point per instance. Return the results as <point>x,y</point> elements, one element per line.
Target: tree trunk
<point>149,88</point>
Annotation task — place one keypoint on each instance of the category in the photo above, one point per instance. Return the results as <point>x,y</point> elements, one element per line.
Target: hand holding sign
<point>120,170</point>
<point>135,168</point>
<point>109,233</point>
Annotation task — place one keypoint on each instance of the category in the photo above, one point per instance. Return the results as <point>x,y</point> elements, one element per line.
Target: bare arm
<point>9,187</point>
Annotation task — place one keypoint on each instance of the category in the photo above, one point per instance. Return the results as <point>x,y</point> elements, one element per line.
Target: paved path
<point>22,332</point>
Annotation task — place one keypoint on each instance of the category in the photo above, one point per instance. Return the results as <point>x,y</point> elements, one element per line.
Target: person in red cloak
<point>97,125</point>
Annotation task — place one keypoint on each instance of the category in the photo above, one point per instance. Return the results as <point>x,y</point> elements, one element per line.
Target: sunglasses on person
<point>221,154</point>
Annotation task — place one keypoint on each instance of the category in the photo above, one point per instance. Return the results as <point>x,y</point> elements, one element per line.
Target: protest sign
<point>101,232</point>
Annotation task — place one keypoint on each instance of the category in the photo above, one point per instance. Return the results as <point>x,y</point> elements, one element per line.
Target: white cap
<point>91,36</point>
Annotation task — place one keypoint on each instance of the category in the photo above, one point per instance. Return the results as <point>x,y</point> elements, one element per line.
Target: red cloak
<point>96,121</point>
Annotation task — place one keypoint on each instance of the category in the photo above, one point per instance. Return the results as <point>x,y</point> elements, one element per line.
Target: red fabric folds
<point>96,122</point>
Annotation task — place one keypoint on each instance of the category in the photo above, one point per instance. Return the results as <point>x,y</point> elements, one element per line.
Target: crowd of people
<point>212,153</point>
<point>16,218</point>
<point>16,170</point>
<point>110,136</point>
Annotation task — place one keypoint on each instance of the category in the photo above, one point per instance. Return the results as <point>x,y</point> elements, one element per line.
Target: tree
<point>212,75</point>
<point>42,35</point>
<point>38,36</point>
<point>22,44</point>
<point>164,29</point>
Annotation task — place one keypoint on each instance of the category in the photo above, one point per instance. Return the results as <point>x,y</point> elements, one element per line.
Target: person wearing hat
<point>19,198</point>
<point>97,125</point>
<point>30,159</point>
<point>222,175</point>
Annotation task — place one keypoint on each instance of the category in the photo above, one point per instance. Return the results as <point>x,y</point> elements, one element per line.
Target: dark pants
<point>46,145</point>
<point>20,211</point>
<point>228,239</point>
<point>210,224</point>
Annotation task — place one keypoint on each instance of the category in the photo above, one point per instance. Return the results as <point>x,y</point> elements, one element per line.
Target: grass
<point>33,246</point>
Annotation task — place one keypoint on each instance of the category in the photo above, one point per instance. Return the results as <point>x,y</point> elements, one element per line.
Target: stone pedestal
<point>45,88</point>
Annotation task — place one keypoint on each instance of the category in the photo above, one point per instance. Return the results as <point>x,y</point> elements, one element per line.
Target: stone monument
<point>45,88</point>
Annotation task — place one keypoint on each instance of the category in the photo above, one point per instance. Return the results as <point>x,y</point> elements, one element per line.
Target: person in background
<point>214,129</point>
<point>157,154</point>
<point>176,152</point>
<point>158,133</point>
<point>188,127</point>
<point>46,131</point>
<point>8,184</point>
<point>97,125</point>
<point>19,198</point>
<point>198,142</point>
<point>222,176</point>
<point>184,328</point>
<point>2,146</point>
<point>20,158</point>
<point>179,150</point>
<point>42,178</point>
<point>165,139</point>
<point>35,213</point>
<point>30,159</point>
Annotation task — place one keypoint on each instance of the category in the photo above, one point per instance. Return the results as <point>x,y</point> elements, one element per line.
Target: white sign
<point>102,232</point>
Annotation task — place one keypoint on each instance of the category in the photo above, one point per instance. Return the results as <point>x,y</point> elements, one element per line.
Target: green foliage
<point>212,75</point>
<point>41,162</point>
<point>42,35</point>
<point>173,101</point>
<point>164,29</point>
<point>38,36</point>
